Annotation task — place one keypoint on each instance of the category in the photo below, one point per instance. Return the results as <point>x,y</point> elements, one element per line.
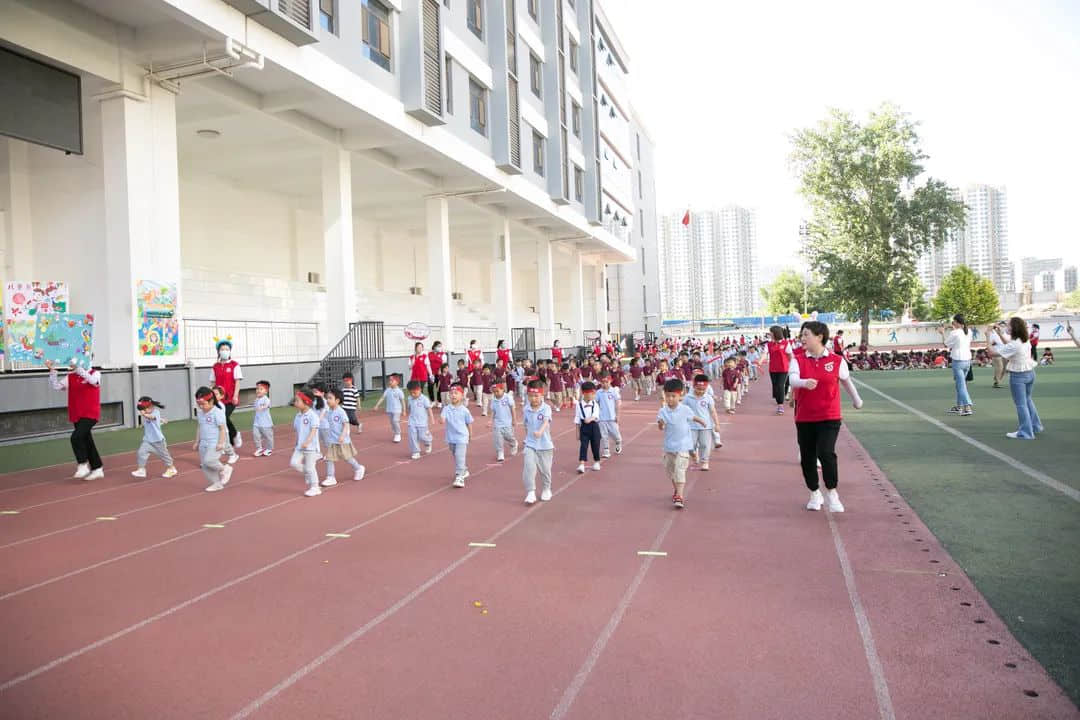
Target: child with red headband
<point>337,446</point>
<point>703,405</point>
<point>418,410</point>
<point>675,419</point>
<point>539,449</point>
<point>306,454</point>
<point>457,418</point>
<point>153,439</point>
<point>210,440</point>
<point>395,403</point>
<point>502,420</point>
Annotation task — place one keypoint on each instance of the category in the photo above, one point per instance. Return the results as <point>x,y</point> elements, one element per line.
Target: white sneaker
<point>259,452</point>
<point>459,482</point>
<point>499,458</point>
<point>81,471</point>
<point>414,456</point>
<point>514,450</point>
<point>834,502</point>
<point>545,495</point>
<point>96,474</point>
<point>226,473</point>
<point>267,453</point>
<point>606,454</point>
<point>312,491</point>
<point>581,468</point>
<point>618,448</point>
<point>397,438</point>
<point>1011,436</point>
<point>141,472</point>
<point>427,449</point>
<point>596,466</point>
<point>816,500</point>
<point>464,474</point>
<point>215,487</point>
<point>170,472</point>
<point>239,441</point>
<point>233,458</point>
<point>329,482</point>
<point>359,474</point>
<point>530,498</point>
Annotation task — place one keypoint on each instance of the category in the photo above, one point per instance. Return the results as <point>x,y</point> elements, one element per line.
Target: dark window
<point>376,19</point>
<point>475,17</point>
<point>534,9</point>
<point>579,184</point>
<point>449,86</point>
<point>326,16</point>
<point>535,71</point>
<point>478,107</point>
<point>538,153</point>
<point>575,118</point>
<point>573,55</point>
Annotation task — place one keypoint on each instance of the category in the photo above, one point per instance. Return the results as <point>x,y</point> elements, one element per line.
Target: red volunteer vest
<point>823,402</point>
<point>84,399</point>
<point>556,354</point>
<point>436,360</point>
<point>504,355</point>
<point>419,367</point>
<point>223,376</point>
<point>778,357</point>
<point>475,355</point>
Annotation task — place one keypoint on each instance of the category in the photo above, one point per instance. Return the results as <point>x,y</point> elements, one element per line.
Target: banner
<point>65,339</point>
<point>23,303</point>
<point>158,332</point>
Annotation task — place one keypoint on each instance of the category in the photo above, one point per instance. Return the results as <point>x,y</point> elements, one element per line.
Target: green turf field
<point>1017,539</point>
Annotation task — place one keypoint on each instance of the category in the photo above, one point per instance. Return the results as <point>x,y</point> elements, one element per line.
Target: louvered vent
<point>299,11</point>
<point>515,123</point>
<point>432,59</point>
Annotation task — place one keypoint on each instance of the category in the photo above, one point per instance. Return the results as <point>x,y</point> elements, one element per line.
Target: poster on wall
<point>158,332</point>
<point>23,303</point>
<point>65,339</point>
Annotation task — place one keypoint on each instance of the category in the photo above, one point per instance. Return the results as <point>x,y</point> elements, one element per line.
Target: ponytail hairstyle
<point>146,402</point>
<point>777,333</point>
<point>219,400</point>
<point>959,318</point>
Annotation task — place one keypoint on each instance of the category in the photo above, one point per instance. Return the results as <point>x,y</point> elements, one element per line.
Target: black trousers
<point>433,390</point>
<point>779,386</point>
<point>82,444</point>
<point>228,423</point>
<point>817,441</point>
<point>590,437</point>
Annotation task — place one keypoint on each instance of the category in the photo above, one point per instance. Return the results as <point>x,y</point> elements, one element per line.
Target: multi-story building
<point>1039,269</point>
<point>982,245</point>
<point>1070,280</point>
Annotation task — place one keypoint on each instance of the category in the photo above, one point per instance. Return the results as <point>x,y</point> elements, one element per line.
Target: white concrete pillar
<point>142,215</point>
<point>545,279</point>
<point>16,230</point>
<point>577,296</point>
<point>600,275</point>
<point>439,289</point>
<point>338,244</point>
<point>502,278</point>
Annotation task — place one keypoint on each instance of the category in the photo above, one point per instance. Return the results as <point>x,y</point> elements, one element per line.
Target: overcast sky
<point>995,85</point>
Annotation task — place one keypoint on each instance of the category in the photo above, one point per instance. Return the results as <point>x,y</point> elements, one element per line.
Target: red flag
<point>686,218</point>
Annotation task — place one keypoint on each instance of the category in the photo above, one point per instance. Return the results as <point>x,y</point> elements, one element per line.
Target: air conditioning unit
<point>314,278</point>
<point>414,290</point>
<point>456,296</point>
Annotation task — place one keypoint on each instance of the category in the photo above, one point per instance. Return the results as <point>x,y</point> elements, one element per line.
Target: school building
<point>295,166</point>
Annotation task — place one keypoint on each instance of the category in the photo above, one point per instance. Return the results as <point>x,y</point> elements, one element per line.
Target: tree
<point>964,292</point>
<point>1072,300</point>
<point>785,295</point>
<point>870,219</point>
<point>920,309</point>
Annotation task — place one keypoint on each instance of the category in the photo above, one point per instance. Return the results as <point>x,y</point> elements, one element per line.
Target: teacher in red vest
<point>226,374</point>
<point>83,389</point>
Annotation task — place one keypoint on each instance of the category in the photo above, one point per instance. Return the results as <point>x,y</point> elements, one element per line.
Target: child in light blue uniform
<point>539,449</point>
<point>306,453</point>
<point>153,439</point>
<point>419,411</point>
<point>263,426</point>
<point>395,403</point>
<point>211,440</point>
<point>458,419</point>
<point>502,420</point>
<point>608,398</point>
<point>703,404</point>
<point>674,419</point>
<point>336,444</point>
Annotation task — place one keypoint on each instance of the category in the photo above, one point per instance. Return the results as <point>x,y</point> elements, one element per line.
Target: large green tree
<point>964,292</point>
<point>788,291</point>
<point>870,217</point>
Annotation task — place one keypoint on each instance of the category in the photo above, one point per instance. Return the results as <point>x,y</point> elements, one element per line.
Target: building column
<point>545,279</point>
<point>16,237</point>
<point>338,244</point>
<point>142,215</point>
<point>577,296</point>
<point>502,279</point>
<point>600,276</point>
<point>438,259</point>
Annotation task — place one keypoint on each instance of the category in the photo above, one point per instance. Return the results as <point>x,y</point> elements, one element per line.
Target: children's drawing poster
<point>159,326</point>
<point>23,303</point>
<point>65,339</point>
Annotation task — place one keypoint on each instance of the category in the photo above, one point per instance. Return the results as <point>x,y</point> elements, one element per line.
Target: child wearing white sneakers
<point>502,420</point>
<point>395,403</point>
<point>703,405</point>
<point>609,399</point>
<point>457,418</point>
<point>262,427</point>
<point>587,418</point>
<point>219,398</point>
<point>211,439</point>
<point>338,446</point>
<point>675,419</point>
<point>539,449</point>
<point>419,420</point>
<point>306,453</point>
<point>153,439</point>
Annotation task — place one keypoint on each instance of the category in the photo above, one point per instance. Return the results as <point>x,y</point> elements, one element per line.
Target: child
<point>219,401</point>
<point>420,417</point>
<point>557,385</point>
<point>637,377</point>
<point>476,380</point>
<point>350,399</point>
<point>503,420</point>
<point>338,446</point>
<point>446,379</point>
<point>319,392</point>
<point>210,439</point>
<point>674,419</point>
<point>262,428</point>
<point>1047,357</point>
<point>457,418</point>
<point>395,402</point>
<point>539,450</point>
<point>153,439</point>
<point>703,404</point>
<point>587,418</point>
<point>306,453</point>
<point>732,380</point>
<point>486,382</point>
<point>647,371</point>
<point>609,401</point>
<point>463,373</point>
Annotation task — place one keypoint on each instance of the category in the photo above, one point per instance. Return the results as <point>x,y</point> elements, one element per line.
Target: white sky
<point>995,85</point>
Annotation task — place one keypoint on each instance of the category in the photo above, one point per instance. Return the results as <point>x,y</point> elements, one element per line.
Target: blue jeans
<point>959,374</point>
<point>1021,384</point>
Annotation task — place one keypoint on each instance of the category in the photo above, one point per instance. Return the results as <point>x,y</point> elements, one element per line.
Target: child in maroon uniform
<point>557,385</point>
<point>636,377</point>
<point>487,381</point>
<point>446,379</point>
<point>732,379</point>
<point>463,373</point>
<point>476,382</point>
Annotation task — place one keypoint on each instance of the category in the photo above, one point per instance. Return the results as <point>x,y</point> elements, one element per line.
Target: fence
<point>255,341</point>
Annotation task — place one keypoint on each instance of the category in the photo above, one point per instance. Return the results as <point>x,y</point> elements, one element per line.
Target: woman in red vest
<point>556,353</point>
<point>83,389</point>
<point>504,354</point>
<point>420,366</point>
<point>226,374</point>
<point>436,359</point>
<point>778,366</point>
<point>817,375</point>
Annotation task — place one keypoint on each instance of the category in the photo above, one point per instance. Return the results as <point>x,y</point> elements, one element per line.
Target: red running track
<point>760,609</point>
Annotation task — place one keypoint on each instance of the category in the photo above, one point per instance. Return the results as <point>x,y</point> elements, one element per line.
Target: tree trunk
<point>864,322</point>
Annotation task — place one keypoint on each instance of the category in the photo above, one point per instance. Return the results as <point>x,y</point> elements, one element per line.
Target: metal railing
<point>255,341</point>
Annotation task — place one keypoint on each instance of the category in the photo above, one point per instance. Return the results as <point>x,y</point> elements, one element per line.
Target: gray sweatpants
<point>609,428</point>
<point>703,443</point>
<point>331,472</point>
<point>418,434</point>
<point>503,435</point>
<point>537,461</point>
<point>303,461</point>
<point>210,461</point>
<point>458,450</point>
<point>147,448</point>
<point>264,437</point>
<point>395,422</point>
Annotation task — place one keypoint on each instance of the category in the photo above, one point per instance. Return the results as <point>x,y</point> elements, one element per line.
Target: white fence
<point>255,342</point>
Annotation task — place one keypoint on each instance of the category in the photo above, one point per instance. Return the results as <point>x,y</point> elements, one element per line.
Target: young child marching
<point>503,418</point>
<point>337,446</point>
<point>703,405</point>
<point>394,399</point>
<point>732,380</point>
<point>674,419</point>
<point>420,417</point>
<point>587,418</point>
<point>262,427</point>
<point>539,449</point>
<point>211,439</point>
<point>153,441</point>
<point>458,419</point>
<point>306,452</point>
<point>219,401</point>
<point>609,400</point>
<point>350,400</point>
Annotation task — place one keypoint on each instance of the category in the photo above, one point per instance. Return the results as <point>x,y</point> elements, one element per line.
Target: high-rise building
<point>1070,278</point>
<point>1032,268</point>
<point>982,245</point>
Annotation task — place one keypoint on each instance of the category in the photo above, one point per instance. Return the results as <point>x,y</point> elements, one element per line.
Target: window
<point>641,223</point>
<point>376,19</point>
<point>535,69</point>
<point>475,17</point>
<point>538,153</point>
<point>478,107</point>
<point>534,9</point>
<point>640,187</point>
<point>449,86</point>
<point>638,146</point>
<point>575,118</point>
<point>326,15</point>
<point>573,56</point>
<point>579,184</point>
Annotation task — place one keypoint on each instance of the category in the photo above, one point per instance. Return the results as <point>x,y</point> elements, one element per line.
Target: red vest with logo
<point>84,399</point>
<point>778,357</point>
<point>419,367</point>
<point>224,375</point>
<point>823,402</point>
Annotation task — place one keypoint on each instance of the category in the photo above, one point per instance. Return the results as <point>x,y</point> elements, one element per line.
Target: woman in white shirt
<point>959,343</point>
<point>1017,353</point>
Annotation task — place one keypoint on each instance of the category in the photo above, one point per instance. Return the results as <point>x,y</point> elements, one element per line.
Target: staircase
<point>362,342</point>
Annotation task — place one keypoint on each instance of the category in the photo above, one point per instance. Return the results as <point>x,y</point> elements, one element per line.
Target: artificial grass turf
<point>1015,537</point>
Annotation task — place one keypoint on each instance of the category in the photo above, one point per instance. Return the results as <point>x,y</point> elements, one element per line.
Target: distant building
<point>1070,278</point>
<point>982,245</point>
